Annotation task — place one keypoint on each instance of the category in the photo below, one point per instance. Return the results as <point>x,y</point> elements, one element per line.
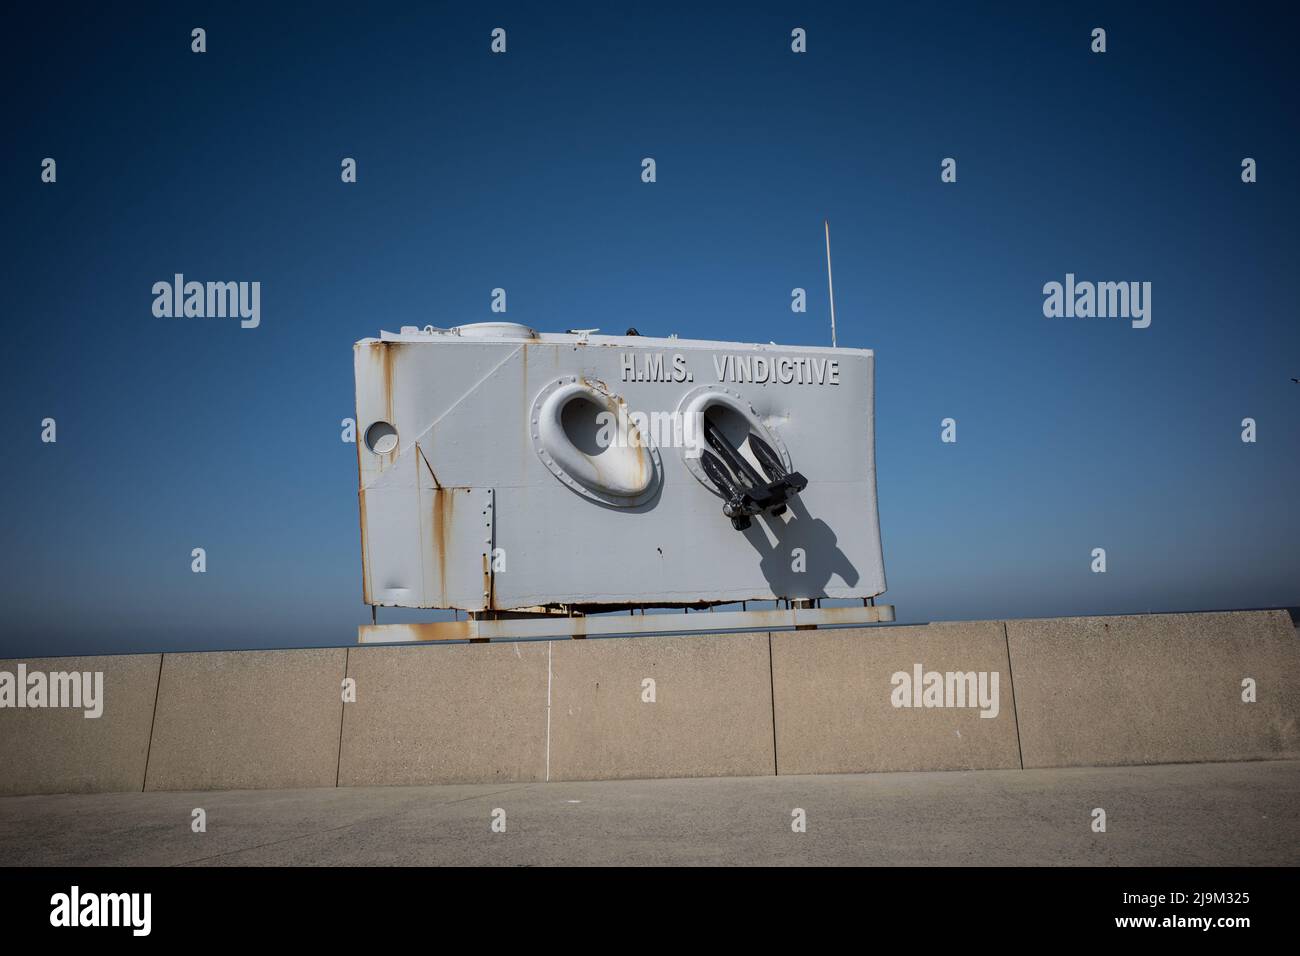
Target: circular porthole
<point>580,421</point>
<point>575,431</point>
<point>735,418</point>
<point>381,438</point>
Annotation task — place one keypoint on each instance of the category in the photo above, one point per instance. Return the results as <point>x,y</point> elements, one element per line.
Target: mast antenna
<point>830,283</point>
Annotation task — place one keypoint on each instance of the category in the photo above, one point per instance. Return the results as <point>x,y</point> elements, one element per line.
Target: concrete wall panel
<point>248,720</point>
<point>464,713</point>
<point>48,750</point>
<point>834,695</point>
<point>712,715</point>
<point>1158,688</point>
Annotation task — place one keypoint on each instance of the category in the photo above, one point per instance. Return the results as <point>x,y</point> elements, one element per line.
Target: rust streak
<point>387,352</point>
<point>444,505</point>
<point>458,630</point>
<point>365,565</point>
<point>440,631</point>
<point>415,461</point>
<point>432,474</point>
<point>388,360</point>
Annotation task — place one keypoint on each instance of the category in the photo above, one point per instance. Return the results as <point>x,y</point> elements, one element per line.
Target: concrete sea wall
<point>1164,688</point>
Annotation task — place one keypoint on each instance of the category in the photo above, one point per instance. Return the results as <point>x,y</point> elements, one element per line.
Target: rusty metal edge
<point>566,627</point>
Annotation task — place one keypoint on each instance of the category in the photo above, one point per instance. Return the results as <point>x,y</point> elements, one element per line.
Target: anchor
<point>745,492</point>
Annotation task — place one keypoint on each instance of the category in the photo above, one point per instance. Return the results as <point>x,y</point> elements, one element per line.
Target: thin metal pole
<point>830,284</point>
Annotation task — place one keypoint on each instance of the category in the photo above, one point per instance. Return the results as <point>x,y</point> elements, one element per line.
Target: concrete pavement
<point>1193,814</point>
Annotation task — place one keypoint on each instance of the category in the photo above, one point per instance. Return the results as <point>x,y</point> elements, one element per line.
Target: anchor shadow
<point>822,556</point>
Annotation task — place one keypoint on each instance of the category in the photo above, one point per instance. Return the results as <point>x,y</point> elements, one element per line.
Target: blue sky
<point>523,171</point>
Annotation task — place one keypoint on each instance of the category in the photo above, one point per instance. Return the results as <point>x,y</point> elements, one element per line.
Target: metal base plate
<point>556,626</point>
